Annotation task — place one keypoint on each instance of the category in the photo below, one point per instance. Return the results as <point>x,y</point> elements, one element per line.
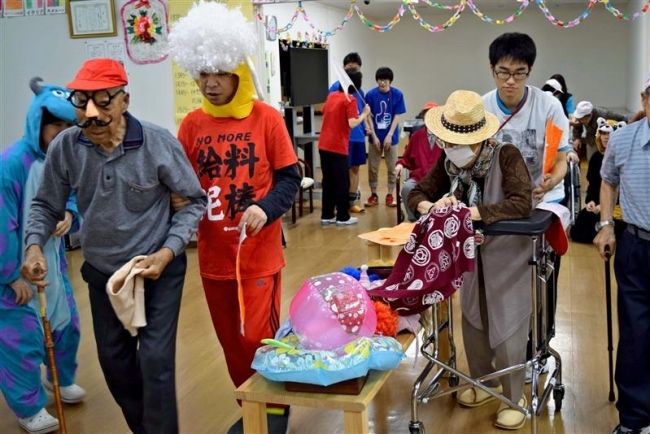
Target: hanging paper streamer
<point>487,19</point>
<point>571,24</point>
<point>300,10</point>
<point>439,28</point>
<point>145,30</point>
<point>283,29</point>
<point>327,33</point>
<point>376,27</point>
<point>623,16</point>
<point>457,9</point>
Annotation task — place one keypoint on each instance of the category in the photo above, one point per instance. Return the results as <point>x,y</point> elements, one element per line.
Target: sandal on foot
<point>475,397</point>
<point>509,418</point>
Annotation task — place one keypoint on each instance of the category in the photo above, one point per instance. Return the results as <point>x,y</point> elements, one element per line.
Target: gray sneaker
<point>326,222</point>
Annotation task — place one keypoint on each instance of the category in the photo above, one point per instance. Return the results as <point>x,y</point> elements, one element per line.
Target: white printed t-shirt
<point>527,130</point>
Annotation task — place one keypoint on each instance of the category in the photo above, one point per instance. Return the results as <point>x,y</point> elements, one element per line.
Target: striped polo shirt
<point>627,165</point>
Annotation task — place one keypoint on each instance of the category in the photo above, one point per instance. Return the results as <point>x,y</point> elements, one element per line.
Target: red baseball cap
<point>100,73</point>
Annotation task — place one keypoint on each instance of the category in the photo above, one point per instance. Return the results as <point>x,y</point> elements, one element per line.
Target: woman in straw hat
<point>491,178</point>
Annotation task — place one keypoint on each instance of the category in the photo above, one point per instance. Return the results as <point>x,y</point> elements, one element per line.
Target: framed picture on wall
<point>91,18</point>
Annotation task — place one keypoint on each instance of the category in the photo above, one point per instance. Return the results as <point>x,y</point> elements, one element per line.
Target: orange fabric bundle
<point>387,319</point>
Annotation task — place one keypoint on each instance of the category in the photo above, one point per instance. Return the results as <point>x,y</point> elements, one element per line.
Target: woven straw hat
<point>462,120</point>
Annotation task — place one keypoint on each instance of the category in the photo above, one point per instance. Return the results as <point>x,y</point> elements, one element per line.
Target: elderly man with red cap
<point>123,171</point>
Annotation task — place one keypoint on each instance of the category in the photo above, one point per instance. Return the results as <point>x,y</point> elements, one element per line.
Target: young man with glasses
<point>534,122</point>
<point>530,118</point>
<point>123,171</point>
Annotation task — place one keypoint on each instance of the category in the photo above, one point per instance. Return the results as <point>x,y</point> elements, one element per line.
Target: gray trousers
<point>407,186</point>
<point>374,159</point>
<point>482,359</point>
<point>140,370</point>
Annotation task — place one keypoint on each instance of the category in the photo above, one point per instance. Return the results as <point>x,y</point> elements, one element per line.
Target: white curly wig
<point>211,38</point>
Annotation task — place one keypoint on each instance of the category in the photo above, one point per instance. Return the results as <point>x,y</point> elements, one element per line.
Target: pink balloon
<point>331,310</point>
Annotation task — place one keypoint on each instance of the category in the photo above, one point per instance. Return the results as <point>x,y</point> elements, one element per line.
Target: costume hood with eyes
<point>20,173</point>
<point>212,38</point>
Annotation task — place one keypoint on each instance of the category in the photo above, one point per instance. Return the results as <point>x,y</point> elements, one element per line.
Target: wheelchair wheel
<point>558,396</point>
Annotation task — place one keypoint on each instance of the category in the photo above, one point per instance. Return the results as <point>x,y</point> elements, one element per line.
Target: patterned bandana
<point>430,267</point>
<point>462,178</point>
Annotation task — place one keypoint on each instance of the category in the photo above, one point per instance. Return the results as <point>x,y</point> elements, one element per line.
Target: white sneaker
<point>72,394</point>
<point>350,221</point>
<point>545,367</point>
<point>41,423</point>
<point>326,222</point>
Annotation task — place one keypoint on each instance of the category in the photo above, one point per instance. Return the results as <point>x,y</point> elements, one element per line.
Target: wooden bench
<point>257,391</point>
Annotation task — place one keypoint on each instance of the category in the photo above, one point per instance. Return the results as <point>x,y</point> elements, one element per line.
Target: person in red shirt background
<point>243,156</point>
<point>420,156</point>
<point>340,114</point>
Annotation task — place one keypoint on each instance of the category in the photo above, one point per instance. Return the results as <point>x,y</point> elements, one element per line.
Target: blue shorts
<point>356,154</point>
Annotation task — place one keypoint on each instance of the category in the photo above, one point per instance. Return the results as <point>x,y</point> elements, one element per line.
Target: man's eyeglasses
<point>505,75</point>
<point>101,98</point>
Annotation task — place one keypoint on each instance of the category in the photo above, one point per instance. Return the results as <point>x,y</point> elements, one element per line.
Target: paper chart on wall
<point>13,8</point>
<point>95,49</point>
<point>34,7</point>
<point>54,7</point>
<point>113,49</point>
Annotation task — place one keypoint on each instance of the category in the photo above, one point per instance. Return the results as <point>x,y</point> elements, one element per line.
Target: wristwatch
<point>601,224</point>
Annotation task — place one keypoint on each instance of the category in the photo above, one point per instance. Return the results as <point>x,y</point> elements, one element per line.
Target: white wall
<point>40,46</point>
<point>430,66</point>
<point>639,64</point>
<point>603,59</point>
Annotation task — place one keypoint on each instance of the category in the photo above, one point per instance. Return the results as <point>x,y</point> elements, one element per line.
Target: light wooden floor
<point>205,392</point>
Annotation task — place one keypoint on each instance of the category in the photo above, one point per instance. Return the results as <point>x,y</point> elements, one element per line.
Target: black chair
<point>306,184</point>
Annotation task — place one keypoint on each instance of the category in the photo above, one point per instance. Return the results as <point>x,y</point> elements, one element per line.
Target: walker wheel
<point>416,428</point>
<point>453,381</point>
<point>558,396</point>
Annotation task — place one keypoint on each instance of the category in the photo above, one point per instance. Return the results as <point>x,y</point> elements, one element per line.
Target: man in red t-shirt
<point>340,114</point>
<point>241,151</point>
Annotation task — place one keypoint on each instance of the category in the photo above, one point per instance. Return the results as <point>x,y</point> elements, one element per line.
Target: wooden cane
<point>49,345</point>
<point>608,302</point>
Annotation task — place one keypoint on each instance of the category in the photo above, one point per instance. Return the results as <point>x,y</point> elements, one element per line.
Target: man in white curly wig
<point>244,158</point>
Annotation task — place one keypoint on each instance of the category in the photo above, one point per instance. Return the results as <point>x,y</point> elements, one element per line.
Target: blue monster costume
<point>22,348</point>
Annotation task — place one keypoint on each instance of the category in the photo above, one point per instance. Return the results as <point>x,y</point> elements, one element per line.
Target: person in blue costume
<point>22,342</point>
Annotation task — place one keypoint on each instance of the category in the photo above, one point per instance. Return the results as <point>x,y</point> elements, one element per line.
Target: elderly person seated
<point>491,178</point>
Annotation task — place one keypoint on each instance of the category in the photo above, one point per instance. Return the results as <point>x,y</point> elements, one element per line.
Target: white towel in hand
<point>126,293</point>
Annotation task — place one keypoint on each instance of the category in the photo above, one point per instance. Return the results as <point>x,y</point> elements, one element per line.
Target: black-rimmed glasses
<point>505,75</point>
<point>101,98</point>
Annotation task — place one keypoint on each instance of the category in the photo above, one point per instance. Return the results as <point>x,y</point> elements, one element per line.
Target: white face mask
<point>461,156</point>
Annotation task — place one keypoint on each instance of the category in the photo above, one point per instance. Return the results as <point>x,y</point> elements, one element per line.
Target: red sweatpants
<point>262,302</point>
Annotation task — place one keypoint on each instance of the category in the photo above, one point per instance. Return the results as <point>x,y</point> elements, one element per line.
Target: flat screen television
<point>304,75</point>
